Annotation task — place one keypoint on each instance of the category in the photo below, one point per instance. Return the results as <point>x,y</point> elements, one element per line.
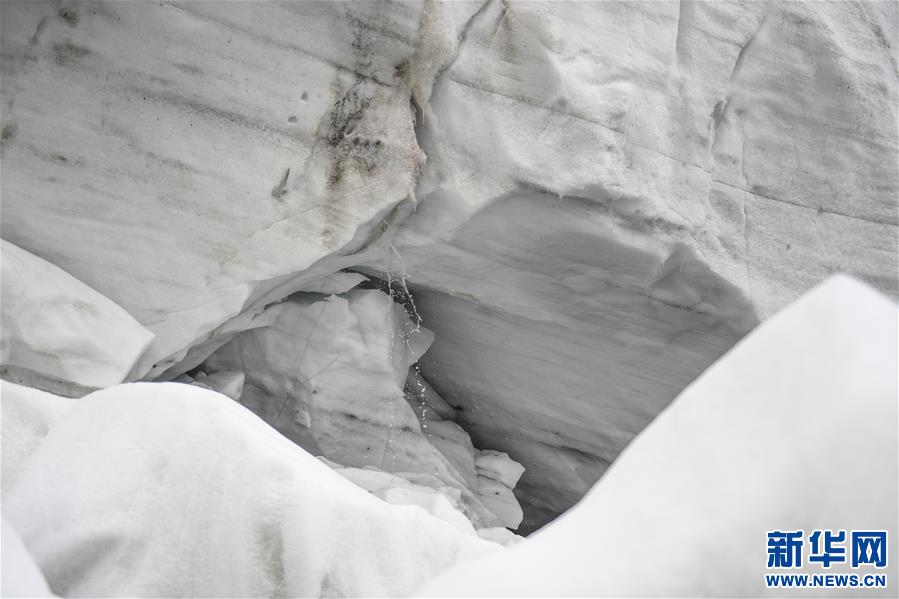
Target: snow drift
<point>165,489</point>
<point>591,202</point>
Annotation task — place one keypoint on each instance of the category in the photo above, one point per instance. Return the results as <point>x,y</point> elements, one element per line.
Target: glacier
<point>786,428</point>
<point>459,254</point>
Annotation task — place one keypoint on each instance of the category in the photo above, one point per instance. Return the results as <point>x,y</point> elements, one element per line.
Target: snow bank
<point>795,427</point>
<point>598,176</point>
<point>58,333</point>
<point>443,503</point>
<point>21,577</point>
<point>25,418</point>
<point>164,489</point>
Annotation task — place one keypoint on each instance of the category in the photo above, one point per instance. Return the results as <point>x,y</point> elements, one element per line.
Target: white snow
<point>58,333</point>
<point>165,489</point>
<point>442,502</point>
<point>614,192</point>
<point>26,415</point>
<point>21,576</point>
<point>795,427</point>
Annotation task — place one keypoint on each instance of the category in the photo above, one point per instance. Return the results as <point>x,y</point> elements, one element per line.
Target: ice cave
<point>433,298</point>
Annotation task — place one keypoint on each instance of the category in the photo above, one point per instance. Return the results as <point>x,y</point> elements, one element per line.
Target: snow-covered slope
<point>590,202</point>
<point>794,428</point>
<point>27,415</point>
<point>165,489</point>
<point>21,576</point>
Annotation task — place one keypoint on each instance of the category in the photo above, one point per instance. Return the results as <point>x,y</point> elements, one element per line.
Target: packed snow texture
<point>589,202</point>
<point>21,576</point>
<point>795,428</point>
<point>57,332</point>
<point>27,415</point>
<point>170,490</point>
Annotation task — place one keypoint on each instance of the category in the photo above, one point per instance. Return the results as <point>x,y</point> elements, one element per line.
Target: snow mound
<point>27,415</point>
<point>59,334</point>
<point>165,489</point>
<point>21,577</point>
<point>795,427</point>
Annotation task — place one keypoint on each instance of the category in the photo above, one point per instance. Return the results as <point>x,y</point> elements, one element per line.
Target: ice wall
<point>590,202</point>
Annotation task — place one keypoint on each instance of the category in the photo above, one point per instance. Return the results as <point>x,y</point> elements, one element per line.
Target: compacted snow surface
<point>324,298</point>
<point>165,489</point>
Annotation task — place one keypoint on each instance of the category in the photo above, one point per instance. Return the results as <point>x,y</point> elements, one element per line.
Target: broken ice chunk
<point>60,335</point>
